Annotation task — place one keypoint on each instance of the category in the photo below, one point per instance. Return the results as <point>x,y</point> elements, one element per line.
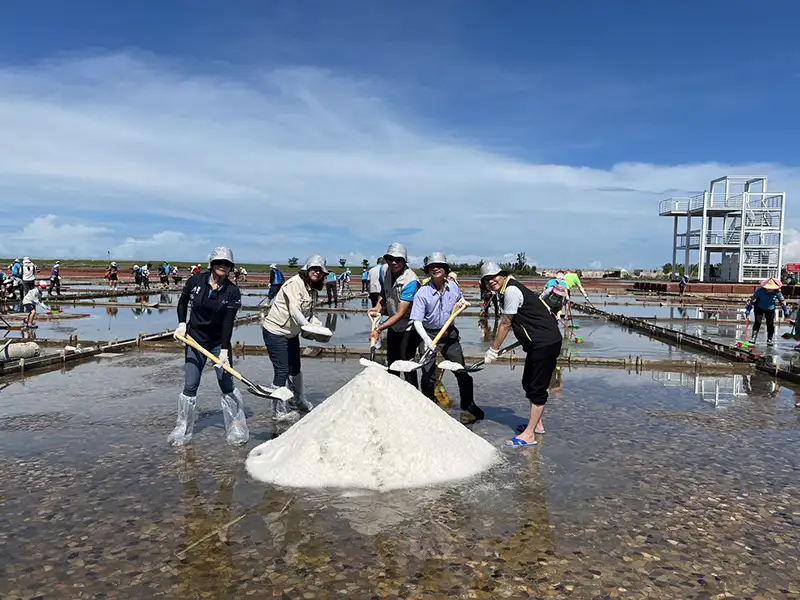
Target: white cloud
<point>51,238</point>
<point>289,162</point>
<point>595,264</point>
<point>791,246</point>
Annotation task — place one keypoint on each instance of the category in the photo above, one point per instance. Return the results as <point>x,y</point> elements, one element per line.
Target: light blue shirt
<point>433,307</point>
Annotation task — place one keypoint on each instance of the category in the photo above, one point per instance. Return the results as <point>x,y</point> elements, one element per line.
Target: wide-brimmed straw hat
<point>771,284</point>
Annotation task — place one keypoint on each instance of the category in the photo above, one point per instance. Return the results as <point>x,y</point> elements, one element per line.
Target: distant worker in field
<point>430,310</point>
<point>487,297</point>
<point>763,303</point>
<point>55,280</point>
<point>332,288</point>
<point>375,278</point>
<point>112,274</point>
<point>555,298</point>
<point>195,269</point>
<point>365,281</point>
<point>533,325</point>
<point>137,276</point>
<point>28,275</point>
<point>572,279</point>
<point>163,275</point>
<point>214,303</point>
<point>243,274</point>
<point>557,280</point>
<point>276,281</point>
<point>682,284</point>
<point>16,269</point>
<point>399,286</point>
<point>31,301</point>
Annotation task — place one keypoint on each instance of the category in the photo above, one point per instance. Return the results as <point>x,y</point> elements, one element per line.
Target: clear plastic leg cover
<point>184,426</point>
<point>299,401</point>
<point>236,431</point>
<point>282,409</point>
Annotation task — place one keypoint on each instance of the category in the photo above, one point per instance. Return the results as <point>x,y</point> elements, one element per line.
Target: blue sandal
<point>518,443</point>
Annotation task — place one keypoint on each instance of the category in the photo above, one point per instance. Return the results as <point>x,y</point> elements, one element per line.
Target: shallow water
<point>634,487</point>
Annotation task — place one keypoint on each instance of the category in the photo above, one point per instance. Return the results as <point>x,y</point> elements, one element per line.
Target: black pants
<point>759,314</point>
<point>364,285</point>
<point>27,286</point>
<point>55,284</point>
<point>402,345</point>
<point>540,363</point>
<point>449,347</point>
<point>373,298</point>
<point>333,293</point>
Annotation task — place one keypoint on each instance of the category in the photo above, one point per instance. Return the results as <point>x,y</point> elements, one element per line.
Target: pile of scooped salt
<point>376,432</point>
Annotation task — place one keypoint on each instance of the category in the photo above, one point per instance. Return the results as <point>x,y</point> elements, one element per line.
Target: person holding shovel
<point>398,288</point>
<point>432,306</point>
<point>526,314</point>
<point>762,303</point>
<point>291,315</point>
<point>215,300</point>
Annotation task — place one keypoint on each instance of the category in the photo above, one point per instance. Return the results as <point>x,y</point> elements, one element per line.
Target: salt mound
<point>376,432</point>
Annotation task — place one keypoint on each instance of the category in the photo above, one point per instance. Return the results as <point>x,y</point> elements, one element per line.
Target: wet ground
<point>640,488</point>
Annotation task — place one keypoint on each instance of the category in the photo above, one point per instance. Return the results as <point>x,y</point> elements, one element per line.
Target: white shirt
<point>374,278</point>
<point>33,296</point>
<point>512,300</point>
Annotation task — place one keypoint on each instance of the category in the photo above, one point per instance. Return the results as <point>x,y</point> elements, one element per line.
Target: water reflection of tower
<point>718,390</point>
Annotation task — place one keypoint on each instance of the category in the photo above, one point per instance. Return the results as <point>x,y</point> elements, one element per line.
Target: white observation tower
<point>738,226</point>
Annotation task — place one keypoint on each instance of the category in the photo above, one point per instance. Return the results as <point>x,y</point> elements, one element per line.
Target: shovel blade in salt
<point>404,366</point>
<point>364,362</point>
<point>449,365</point>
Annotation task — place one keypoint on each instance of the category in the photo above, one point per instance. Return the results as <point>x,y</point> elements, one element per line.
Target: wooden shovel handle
<point>186,339</point>
<point>457,310</point>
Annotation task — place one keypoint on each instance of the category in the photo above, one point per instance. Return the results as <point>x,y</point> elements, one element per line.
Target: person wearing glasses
<point>526,314</point>
<point>398,288</point>
<point>214,300</point>
<point>433,304</point>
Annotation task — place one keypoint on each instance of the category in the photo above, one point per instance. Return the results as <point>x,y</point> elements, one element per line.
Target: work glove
<point>223,360</point>
<point>785,311</point>
<point>490,356</point>
<point>429,347</point>
<point>315,322</point>
<point>180,331</point>
<point>747,311</point>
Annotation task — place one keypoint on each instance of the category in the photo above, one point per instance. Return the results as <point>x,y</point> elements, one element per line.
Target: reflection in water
<point>720,390</point>
<point>488,333</point>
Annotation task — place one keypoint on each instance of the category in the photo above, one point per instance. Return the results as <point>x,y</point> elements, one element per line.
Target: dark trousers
<point>449,347</point>
<point>759,314</point>
<point>27,286</point>
<point>333,293</point>
<point>540,364</point>
<point>284,354</point>
<point>373,298</point>
<point>402,345</point>
<point>55,284</point>
<point>193,370</point>
<point>364,285</point>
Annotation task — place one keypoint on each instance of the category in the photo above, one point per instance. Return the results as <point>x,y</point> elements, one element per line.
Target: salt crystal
<point>376,432</point>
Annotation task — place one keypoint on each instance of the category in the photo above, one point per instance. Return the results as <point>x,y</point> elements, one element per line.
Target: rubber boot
<point>280,408</point>
<point>465,390</point>
<point>184,425</point>
<point>300,402</point>
<point>236,431</point>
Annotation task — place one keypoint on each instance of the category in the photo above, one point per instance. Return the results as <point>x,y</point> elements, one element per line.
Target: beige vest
<point>393,288</point>
<point>279,319</point>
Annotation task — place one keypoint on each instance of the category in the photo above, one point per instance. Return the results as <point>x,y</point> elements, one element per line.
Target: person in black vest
<point>526,314</point>
<point>214,302</point>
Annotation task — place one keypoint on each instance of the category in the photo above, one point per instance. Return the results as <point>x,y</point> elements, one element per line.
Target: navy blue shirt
<point>213,311</point>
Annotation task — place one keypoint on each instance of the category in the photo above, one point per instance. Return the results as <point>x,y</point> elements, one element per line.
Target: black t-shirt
<point>213,311</point>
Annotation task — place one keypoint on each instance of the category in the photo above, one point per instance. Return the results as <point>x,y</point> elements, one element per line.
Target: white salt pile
<point>377,432</point>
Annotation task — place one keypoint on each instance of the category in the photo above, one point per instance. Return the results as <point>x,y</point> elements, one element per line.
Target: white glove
<point>490,356</point>
<point>315,322</point>
<point>316,330</point>
<point>429,347</point>
<point>223,360</point>
<point>180,331</point>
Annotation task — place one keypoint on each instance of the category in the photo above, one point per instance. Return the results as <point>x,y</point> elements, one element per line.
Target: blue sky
<point>481,129</point>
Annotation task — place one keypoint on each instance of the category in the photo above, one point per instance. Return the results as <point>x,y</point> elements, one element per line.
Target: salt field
<point>634,487</point>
